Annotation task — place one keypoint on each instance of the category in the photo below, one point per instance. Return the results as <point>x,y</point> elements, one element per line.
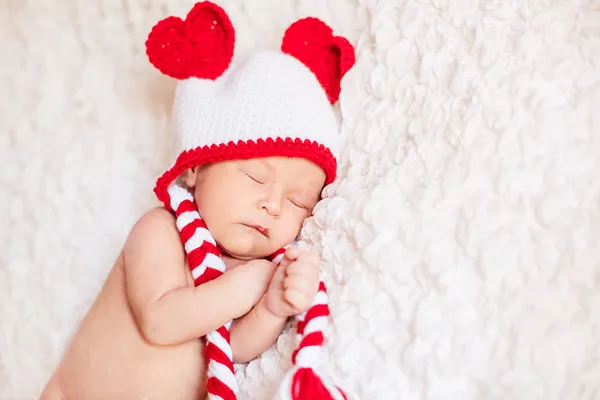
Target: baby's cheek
<point>286,232</point>
<point>295,225</point>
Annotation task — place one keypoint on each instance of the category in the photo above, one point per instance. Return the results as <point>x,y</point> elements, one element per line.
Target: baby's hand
<point>294,284</point>
<point>253,279</point>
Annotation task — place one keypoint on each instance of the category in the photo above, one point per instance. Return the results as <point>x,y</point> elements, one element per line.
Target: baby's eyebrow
<point>267,164</point>
<point>305,194</point>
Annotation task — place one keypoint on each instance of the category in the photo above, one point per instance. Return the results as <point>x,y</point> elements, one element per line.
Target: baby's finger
<point>292,253</point>
<point>310,258</point>
<point>304,284</point>
<point>304,267</point>
<point>298,300</point>
<point>278,277</point>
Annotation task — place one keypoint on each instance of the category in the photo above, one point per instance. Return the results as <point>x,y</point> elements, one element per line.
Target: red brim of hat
<point>260,148</point>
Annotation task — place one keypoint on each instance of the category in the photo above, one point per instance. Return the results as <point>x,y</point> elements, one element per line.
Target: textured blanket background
<point>461,242</point>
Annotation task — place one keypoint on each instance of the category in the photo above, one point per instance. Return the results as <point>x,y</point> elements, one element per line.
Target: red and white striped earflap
<point>201,47</point>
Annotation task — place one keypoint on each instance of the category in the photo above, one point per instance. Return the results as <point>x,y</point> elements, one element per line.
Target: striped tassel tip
<point>303,382</point>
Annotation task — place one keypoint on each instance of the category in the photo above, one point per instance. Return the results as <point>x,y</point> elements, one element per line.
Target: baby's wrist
<point>267,312</point>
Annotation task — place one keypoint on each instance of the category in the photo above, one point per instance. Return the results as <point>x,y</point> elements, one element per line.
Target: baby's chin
<point>244,247</point>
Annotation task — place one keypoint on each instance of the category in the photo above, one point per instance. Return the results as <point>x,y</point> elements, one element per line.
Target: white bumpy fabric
<point>460,241</point>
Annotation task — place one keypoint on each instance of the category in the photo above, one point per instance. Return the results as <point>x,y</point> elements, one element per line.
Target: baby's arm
<point>254,333</point>
<point>292,290</point>
<point>169,311</point>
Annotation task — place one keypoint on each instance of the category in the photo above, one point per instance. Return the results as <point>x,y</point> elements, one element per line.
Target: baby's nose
<point>272,206</point>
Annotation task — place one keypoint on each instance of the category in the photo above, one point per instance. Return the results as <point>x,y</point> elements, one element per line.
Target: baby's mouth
<point>263,230</point>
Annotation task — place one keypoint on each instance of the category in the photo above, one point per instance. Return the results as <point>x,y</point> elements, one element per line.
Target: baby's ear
<point>188,177</point>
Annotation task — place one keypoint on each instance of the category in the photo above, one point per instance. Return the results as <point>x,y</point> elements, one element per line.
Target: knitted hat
<point>271,104</point>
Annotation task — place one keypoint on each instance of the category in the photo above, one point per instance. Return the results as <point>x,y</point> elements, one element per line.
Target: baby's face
<point>255,207</point>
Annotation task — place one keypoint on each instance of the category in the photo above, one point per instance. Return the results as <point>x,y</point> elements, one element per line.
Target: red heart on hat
<point>329,57</point>
<point>201,46</point>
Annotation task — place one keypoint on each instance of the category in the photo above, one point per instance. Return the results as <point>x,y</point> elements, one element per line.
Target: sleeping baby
<point>210,278</point>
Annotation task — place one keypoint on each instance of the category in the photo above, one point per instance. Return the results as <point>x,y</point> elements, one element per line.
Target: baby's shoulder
<point>156,226</point>
<point>157,216</point>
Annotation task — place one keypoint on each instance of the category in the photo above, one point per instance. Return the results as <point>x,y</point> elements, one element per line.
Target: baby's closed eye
<point>254,175</point>
<point>255,178</point>
<point>297,203</point>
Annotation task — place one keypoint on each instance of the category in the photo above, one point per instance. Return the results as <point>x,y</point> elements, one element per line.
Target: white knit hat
<point>271,104</point>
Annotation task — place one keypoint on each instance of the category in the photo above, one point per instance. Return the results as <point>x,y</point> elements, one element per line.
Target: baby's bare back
<point>108,357</point>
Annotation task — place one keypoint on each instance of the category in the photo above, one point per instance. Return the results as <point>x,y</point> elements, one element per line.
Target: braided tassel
<point>303,382</point>
<point>205,263</point>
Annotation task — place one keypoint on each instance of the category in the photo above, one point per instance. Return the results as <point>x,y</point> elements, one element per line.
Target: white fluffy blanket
<point>461,242</point>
